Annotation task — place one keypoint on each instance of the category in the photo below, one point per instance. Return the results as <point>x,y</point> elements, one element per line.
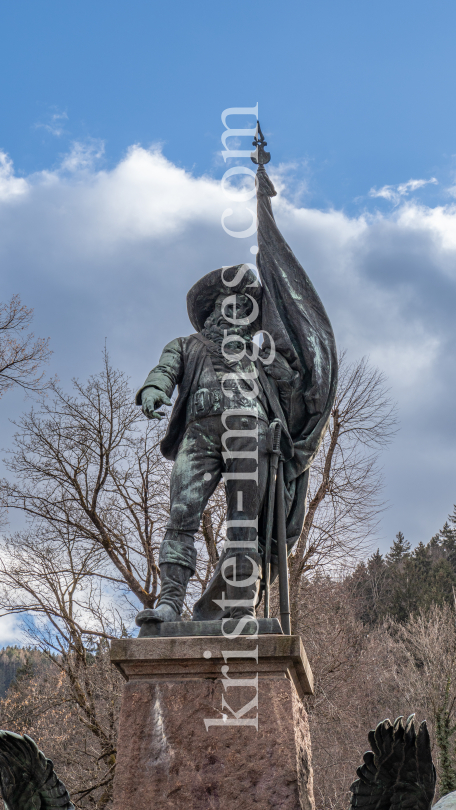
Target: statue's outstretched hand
<point>151,399</point>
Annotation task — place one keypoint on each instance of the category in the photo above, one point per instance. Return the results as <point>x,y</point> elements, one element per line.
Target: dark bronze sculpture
<point>398,773</point>
<point>233,399</point>
<point>27,779</point>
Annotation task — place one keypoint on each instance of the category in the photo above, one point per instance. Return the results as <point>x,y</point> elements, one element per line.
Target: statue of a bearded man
<point>231,396</point>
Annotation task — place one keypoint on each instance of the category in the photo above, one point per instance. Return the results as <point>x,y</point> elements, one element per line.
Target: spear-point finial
<point>259,156</point>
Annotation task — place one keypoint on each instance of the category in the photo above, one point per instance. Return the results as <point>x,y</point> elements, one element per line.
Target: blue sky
<point>110,199</point>
<point>363,92</point>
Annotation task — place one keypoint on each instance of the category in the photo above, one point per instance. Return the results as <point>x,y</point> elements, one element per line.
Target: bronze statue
<point>27,778</point>
<point>398,773</point>
<point>235,401</point>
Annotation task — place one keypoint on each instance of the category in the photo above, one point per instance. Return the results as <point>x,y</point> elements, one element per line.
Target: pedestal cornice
<point>202,657</point>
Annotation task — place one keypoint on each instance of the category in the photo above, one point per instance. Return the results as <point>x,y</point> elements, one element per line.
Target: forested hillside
<point>14,661</point>
<point>403,581</point>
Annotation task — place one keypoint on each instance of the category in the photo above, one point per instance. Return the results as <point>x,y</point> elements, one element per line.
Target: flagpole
<point>276,499</point>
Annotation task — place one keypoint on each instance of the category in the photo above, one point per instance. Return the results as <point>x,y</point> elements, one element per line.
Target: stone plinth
<point>170,752</point>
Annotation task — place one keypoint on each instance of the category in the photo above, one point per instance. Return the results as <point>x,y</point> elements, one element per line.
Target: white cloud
<point>55,125</point>
<point>395,194</point>
<point>292,178</point>
<point>10,632</point>
<point>111,253</point>
<point>10,185</point>
<point>82,156</point>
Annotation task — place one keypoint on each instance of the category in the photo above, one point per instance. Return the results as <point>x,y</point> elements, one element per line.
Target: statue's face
<point>227,310</point>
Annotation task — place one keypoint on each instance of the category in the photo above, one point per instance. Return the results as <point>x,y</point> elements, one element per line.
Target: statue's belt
<point>212,402</point>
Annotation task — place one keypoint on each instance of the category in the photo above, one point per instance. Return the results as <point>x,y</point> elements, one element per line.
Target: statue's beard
<point>215,328</point>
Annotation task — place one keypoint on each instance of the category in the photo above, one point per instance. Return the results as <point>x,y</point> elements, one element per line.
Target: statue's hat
<point>203,295</point>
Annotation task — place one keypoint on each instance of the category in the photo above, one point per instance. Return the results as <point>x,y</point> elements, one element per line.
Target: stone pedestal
<point>213,723</point>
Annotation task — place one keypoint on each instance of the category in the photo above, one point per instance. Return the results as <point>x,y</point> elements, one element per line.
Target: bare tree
<point>346,481</point>
<point>91,480</point>
<point>70,605</point>
<point>424,655</point>
<point>337,646</point>
<point>88,469</point>
<point>21,356</point>
<point>42,703</point>
<point>93,485</point>
<point>363,676</point>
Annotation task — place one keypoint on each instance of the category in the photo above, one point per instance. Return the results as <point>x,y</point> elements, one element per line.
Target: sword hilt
<point>276,437</point>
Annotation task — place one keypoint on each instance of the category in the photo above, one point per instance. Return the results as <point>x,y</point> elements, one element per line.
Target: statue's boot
<point>248,569</point>
<point>174,581</point>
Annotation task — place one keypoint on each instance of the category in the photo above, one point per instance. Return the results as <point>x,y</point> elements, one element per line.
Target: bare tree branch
<point>345,479</point>
<point>21,356</point>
